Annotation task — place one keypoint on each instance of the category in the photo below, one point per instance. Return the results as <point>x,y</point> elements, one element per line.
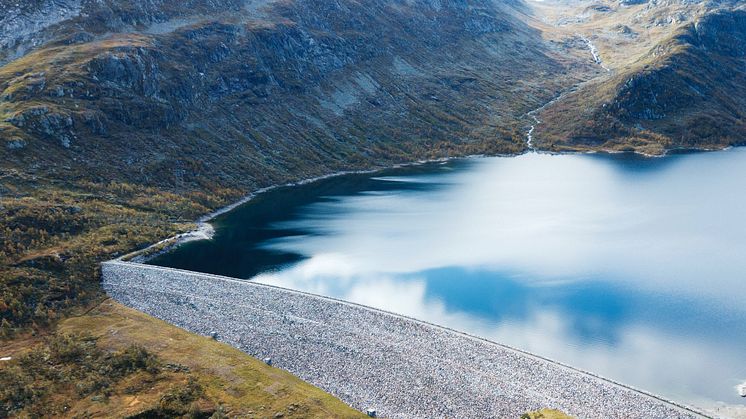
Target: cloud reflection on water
<point>641,355</point>
<point>629,267</point>
<point>667,237</point>
<point>550,217</point>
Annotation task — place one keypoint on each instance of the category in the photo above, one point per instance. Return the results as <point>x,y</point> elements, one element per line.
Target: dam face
<point>370,359</point>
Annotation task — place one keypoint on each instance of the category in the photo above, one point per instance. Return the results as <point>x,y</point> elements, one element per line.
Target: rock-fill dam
<point>371,359</point>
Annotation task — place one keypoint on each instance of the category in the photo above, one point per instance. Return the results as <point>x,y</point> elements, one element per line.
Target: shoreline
<point>113,285</point>
<point>204,230</point>
<point>201,234</point>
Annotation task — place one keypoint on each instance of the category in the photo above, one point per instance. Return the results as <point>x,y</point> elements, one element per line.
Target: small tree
<point>6,329</point>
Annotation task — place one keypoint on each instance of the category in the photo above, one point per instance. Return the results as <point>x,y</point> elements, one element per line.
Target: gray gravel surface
<point>401,367</point>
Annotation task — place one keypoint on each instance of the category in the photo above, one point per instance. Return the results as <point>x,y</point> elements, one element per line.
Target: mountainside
<point>245,96</point>
<point>689,91</point>
<point>237,93</point>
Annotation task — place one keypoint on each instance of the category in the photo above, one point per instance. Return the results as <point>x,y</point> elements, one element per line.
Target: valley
<point>121,123</point>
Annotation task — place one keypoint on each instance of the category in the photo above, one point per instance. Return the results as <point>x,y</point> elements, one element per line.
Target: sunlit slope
<point>687,92</point>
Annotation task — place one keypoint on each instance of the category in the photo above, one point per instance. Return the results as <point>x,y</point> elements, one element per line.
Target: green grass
<point>546,414</point>
<point>90,367</point>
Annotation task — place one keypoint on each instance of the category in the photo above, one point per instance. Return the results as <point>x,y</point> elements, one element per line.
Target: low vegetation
<point>546,414</point>
<point>90,367</point>
<point>65,367</point>
<point>53,239</point>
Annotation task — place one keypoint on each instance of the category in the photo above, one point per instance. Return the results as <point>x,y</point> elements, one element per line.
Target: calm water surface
<point>629,267</point>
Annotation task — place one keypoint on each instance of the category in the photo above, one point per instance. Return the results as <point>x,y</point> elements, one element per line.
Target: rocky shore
<point>398,366</point>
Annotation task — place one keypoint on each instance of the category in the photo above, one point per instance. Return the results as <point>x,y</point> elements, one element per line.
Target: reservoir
<point>632,268</point>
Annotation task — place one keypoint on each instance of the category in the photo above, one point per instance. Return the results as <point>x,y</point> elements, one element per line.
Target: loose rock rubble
<point>371,359</point>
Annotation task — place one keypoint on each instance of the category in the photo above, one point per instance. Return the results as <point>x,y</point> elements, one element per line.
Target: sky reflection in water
<point>628,267</point>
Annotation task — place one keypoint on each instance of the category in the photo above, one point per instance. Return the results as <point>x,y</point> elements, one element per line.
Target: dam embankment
<point>401,367</point>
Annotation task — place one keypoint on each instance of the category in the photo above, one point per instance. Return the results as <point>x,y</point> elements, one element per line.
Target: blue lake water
<point>629,267</point>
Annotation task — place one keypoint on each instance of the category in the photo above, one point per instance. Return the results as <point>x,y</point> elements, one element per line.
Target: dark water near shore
<point>629,267</point>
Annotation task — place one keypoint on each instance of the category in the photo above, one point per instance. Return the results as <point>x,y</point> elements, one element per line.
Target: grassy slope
<point>193,375</point>
<point>230,378</point>
<point>545,414</point>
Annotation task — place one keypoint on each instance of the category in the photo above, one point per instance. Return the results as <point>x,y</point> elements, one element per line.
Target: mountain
<point>688,91</point>
<point>182,94</point>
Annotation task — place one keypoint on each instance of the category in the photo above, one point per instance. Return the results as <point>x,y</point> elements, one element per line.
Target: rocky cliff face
<point>243,93</point>
<point>23,22</point>
<point>698,65</point>
<point>26,25</point>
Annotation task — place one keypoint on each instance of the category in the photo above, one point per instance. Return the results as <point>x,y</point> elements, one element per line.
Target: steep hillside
<point>687,92</point>
<point>245,99</point>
